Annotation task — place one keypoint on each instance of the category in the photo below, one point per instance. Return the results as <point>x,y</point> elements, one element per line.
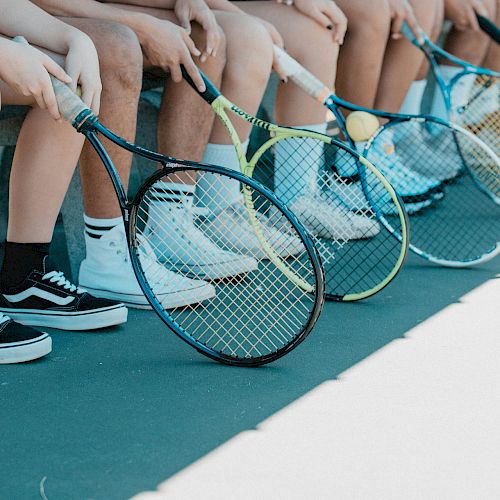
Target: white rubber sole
<point>216,271</point>
<point>26,350</point>
<point>168,301</point>
<point>90,320</point>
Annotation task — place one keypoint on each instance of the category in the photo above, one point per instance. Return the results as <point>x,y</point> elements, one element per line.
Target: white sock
<point>413,100</point>
<point>168,196</point>
<point>214,192</point>
<point>95,228</point>
<point>294,176</point>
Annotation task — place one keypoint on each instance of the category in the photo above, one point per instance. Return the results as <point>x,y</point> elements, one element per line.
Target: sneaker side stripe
<point>34,291</point>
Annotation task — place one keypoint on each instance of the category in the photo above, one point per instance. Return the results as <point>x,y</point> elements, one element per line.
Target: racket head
<point>249,317</point>
<point>360,250</point>
<point>461,227</point>
<point>475,106</point>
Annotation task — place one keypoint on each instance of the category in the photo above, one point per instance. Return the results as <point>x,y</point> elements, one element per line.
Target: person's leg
<point>362,54</point>
<point>492,58</point>
<point>120,60</point>
<point>402,62</point>
<point>44,161</point>
<point>470,45</point>
<point>312,46</point>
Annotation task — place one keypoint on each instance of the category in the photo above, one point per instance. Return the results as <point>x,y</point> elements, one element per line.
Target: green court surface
<point>110,414</point>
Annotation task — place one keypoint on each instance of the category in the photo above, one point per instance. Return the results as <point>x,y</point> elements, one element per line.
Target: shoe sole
<point>140,302</point>
<point>28,350</point>
<point>89,320</point>
<point>218,271</point>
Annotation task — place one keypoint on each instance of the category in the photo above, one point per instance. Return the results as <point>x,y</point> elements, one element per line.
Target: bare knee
<point>249,47</point>
<point>120,56</point>
<point>371,19</point>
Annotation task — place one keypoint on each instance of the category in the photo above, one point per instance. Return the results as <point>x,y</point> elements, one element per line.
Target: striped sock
<point>96,228</point>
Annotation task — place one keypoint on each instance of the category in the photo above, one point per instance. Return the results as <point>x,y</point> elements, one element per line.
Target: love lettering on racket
<point>447,176</point>
<point>360,251</point>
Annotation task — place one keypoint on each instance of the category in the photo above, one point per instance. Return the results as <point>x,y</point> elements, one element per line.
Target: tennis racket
<point>489,27</point>
<point>238,307</point>
<point>449,177</point>
<point>360,250</point>
<point>471,98</point>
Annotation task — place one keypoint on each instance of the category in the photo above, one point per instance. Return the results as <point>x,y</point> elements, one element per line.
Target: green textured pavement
<point>110,414</point>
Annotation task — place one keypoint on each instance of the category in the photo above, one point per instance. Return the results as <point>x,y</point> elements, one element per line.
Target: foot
<point>350,196</point>
<point>410,185</point>
<point>48,299</point>
<point>180,245</point>
<point>324,220</point>
<point>19,343</point>
<point>231,229</point>
<point>431,153</point>
<point>107,272</point>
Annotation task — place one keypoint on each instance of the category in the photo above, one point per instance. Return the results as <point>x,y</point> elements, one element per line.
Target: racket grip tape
<point>210,93</point>
<point>489,27</point>
<point>69,104</point>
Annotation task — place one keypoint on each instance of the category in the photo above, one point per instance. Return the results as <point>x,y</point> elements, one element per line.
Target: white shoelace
<point>59,279</point>
<point>3,318</point>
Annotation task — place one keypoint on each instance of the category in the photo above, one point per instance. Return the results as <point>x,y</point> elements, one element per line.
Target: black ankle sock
<point>19,260</point>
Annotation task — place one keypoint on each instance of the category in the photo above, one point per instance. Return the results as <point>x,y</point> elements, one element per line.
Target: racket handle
<point>408,33</point>
<point>69,104</point>
<point>301,76</point>
<point>211,91</point>
<point>489,27</point>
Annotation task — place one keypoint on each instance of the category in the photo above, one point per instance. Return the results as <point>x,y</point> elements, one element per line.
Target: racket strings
<point>255,308</point>
<point>461,222</point>
<point>479,112</point>
<point>359,250</point>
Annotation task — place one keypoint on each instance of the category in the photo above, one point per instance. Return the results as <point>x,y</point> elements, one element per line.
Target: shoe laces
<point>119,246</point>
<point>58,278</point>
<point>3,318</point>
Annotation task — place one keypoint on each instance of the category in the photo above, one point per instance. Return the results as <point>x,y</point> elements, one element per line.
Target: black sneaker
<point>19,343</point>
<point>48,299</point>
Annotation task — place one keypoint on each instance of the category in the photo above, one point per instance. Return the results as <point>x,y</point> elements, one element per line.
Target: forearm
<point>20,17</point>
<point>224,5</point>
<point>157,4</point>
<point>137,21</point>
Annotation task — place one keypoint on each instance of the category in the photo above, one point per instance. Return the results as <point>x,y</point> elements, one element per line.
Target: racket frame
<point>89,125</point>
<point>220,104</point>
<point>322,94</point>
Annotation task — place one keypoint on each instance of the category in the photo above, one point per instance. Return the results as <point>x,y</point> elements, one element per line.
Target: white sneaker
<point>435,157</point>
<point>107,272</point>
<point>179,244</point>
<point>323,220</point>
<point>411,186</point>
<point>351,196</point>
<point>231,229</point>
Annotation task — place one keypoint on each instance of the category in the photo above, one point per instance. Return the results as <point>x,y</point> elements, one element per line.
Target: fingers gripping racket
<point>240,308</point>
<point>360,251</point>
<point>471,98</point>
<point>450,176</point>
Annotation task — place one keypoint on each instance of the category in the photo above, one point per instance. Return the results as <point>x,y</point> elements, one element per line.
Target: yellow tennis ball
<point>361,125</point>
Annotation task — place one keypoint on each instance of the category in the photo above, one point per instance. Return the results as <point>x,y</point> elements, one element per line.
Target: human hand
<point>401,12</point>
<point>169,46</point>
<point>27,70</point>
<point>197,10</point>
<point>82,65</point>
<point>327,14</point>
<point>462,13</point>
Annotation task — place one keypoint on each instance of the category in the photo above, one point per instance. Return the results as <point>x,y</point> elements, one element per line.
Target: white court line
<point>418,419</point>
